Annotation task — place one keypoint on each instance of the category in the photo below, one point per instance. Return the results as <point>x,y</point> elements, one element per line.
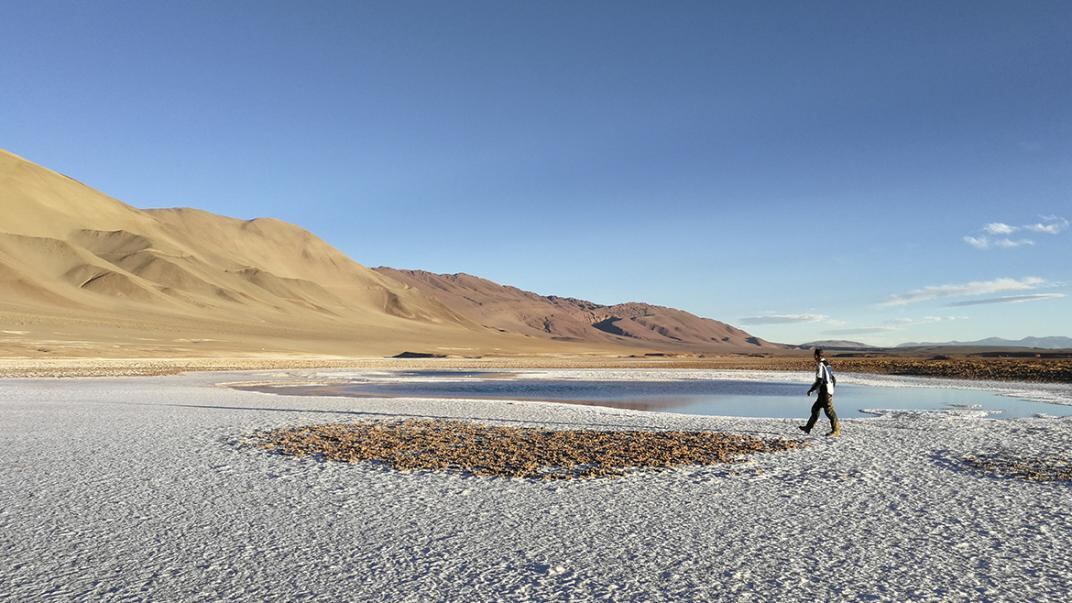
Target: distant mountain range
<point>1048,343</point>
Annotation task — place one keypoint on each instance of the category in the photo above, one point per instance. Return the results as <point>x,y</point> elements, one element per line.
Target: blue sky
<point>804,170</point>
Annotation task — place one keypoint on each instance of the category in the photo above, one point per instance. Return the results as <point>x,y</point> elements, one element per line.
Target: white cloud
<point>997,285</point>
<point>1010,299</point>
<point>859,331</point>
<point>892,325</point>
<point>782,319</point>
<point>1000,228</point>
<point>1051,225</point>
<point>907,322</point>
<point>1009,243</point>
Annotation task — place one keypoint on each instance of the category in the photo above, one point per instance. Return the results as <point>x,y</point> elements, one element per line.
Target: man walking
<point>824,382</point>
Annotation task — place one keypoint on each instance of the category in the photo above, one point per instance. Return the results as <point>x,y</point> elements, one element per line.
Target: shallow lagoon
<point>722,397</point>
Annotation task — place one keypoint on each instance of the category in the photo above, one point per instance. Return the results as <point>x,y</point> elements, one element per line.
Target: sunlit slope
<point>71,255</point>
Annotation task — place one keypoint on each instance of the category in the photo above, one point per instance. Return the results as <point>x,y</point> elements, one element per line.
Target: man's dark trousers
<point>826,403</point>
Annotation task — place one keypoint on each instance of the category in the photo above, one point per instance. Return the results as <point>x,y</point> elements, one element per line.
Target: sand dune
<point>84,274</point>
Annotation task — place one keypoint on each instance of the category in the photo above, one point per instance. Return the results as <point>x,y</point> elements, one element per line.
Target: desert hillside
<point>512,310</point>
<point>84,274</point>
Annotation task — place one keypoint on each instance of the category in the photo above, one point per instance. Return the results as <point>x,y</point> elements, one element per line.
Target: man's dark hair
<point>818,351</point>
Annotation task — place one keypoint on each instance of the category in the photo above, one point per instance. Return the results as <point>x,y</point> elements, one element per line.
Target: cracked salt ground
<point>132,489</point>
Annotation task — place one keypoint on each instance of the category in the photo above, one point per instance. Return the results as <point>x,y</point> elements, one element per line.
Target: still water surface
<point>701,397</point>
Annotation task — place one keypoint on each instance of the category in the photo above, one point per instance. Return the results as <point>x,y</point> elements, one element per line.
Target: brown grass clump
<point>526,452</point>
<point>1035,469</point>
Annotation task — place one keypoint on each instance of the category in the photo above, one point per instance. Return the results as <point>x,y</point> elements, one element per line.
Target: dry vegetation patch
<point>528,452</point>
<point>1035,469</point>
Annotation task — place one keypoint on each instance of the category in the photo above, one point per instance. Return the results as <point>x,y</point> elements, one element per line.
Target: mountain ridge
<point>505,307</point>
<point>1052,342</point>
<point>83,273</point>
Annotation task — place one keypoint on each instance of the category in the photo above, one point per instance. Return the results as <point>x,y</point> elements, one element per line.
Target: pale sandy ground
<point>134,489</point>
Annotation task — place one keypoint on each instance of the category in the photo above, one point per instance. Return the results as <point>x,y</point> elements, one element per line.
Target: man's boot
<point>805,429</point>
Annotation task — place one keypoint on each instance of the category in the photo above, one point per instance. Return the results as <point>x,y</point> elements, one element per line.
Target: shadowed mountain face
<point>84,274</point>
<point>513,310</point>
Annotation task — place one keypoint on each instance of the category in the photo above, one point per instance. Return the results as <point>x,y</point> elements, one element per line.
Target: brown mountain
<point>82,274</point>
<point>512,310</point>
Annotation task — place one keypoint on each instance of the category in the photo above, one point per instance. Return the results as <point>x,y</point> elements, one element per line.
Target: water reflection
<point>703,397</point>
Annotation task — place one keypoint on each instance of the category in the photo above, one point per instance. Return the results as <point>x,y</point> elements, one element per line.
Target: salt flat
<point>138,489</point>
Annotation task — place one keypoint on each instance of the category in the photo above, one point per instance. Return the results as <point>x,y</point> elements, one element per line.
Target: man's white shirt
<point>823,374</point>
